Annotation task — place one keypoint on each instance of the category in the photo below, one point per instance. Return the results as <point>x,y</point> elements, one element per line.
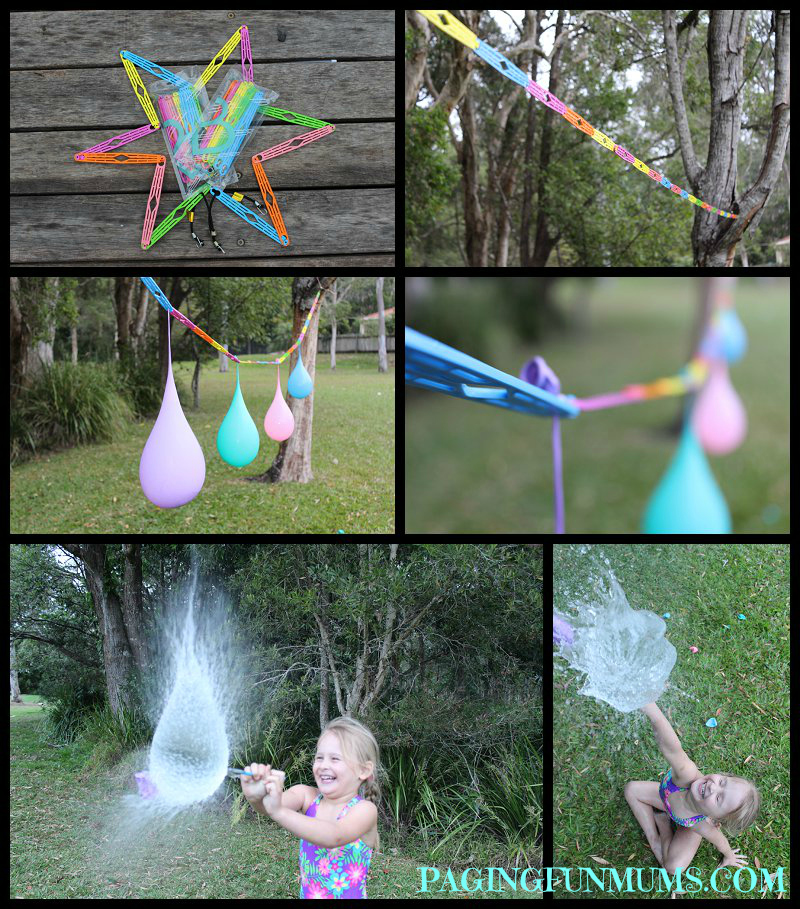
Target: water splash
<point>189,754</point>
<point>199,669</point>
<point>623,652</point>
<point>198,680</point>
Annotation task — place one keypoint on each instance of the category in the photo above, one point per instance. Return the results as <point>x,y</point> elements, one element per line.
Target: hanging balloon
<point>734,337</point>
<point>726,338</point>
<point>300,383</point>
<point>687,500</point>
<point>237,439</point>
<point>279,422</point>
<point>718,416</point>
<point>172,469</point>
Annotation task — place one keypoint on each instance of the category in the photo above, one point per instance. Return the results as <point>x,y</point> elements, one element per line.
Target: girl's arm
<point>669,744</point>
<point>294,799</point>
<point>716,837</point>
<point>330,834</point>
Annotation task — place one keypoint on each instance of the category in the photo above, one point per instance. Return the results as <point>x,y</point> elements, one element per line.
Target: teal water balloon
<point>300,383</point>
<point>688,499</point>
<point>237,438</point>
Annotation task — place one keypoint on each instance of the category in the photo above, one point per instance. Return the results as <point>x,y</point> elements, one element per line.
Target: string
<point>159,295</point>
<point>691,378</point>
<point>538,373</point>
<point>448,23</point>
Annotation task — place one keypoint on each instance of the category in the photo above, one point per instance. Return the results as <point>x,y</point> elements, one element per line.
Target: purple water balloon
<point>172,469</point>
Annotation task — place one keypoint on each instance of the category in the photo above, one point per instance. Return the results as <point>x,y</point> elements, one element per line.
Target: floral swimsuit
<point>338,874</point>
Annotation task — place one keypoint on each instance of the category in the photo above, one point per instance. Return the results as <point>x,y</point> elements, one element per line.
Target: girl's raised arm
<point>669,744</point>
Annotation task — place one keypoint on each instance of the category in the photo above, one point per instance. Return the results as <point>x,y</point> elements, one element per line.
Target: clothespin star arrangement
<point>204,138</point>
<point>172,468</point>
<point>688,499</point>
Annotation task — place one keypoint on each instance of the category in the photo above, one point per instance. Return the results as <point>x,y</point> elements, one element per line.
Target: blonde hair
<point>742,817</point>
<point>359,746</point>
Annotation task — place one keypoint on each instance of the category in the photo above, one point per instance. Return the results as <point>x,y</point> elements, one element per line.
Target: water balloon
<point>300,383</point>
<point>189,753</point>
<point>687,500</point>
<point>624,652</point>
<point>562,631</point>
<point>718,416</point>
<point>237,439</point>
<point>734,337</point>
<point>172,468</point>
<point>279,422</point>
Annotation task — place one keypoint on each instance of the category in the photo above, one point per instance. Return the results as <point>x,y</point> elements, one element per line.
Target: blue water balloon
<point>734,336</point>
<point>237,439</point>
<point>688,499</point>
<point>300,384</point>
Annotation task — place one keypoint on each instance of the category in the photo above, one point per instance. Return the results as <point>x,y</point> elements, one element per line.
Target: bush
<point>68,404</point>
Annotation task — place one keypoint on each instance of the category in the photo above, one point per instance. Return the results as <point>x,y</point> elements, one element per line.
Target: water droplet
<point>237,439</point>
<point>279,422</point>
<point>172,469</point>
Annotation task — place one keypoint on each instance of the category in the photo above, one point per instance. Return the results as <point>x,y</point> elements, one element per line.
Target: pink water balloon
<point>718,418</point>
<point>172,469</point>
<point>279,422</point>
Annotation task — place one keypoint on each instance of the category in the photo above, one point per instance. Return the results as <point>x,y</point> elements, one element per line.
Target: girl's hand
<point>273,799</point>
<point>735,859</point>
<point>254,787</point>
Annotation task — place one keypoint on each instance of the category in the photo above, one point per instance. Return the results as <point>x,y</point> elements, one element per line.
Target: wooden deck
<point>69,91</point>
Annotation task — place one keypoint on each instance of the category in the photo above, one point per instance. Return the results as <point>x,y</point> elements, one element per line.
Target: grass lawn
<point>95,489</point>
<point>470,468</point>
<point>739,676</point>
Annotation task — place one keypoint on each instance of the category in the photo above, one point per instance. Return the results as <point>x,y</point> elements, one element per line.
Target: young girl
<point>337,826</point>
<point>697,804</point>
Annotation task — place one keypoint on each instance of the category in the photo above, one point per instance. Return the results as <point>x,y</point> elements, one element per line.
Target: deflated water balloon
<point>237,439</point>
<point>279,422</point>
<point>300,383</point>
<point>718,416</point>
<point>172,469</point>
<point>687,500</point>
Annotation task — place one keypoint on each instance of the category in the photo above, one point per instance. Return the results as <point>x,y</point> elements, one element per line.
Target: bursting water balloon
<point>189,754</point>
<point>300,384</point>
<point>237,439</point>
<point>623,651</point>
<point>172,468</point>
<point>279,422</point>
<point>687,500</point>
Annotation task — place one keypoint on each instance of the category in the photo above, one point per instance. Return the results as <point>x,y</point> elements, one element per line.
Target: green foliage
<point>112,736</point>
<point>69,696</point>
<point>430,175</point>
<point>457,714</point>
<point>68,404</point>
<point>140,382</point>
